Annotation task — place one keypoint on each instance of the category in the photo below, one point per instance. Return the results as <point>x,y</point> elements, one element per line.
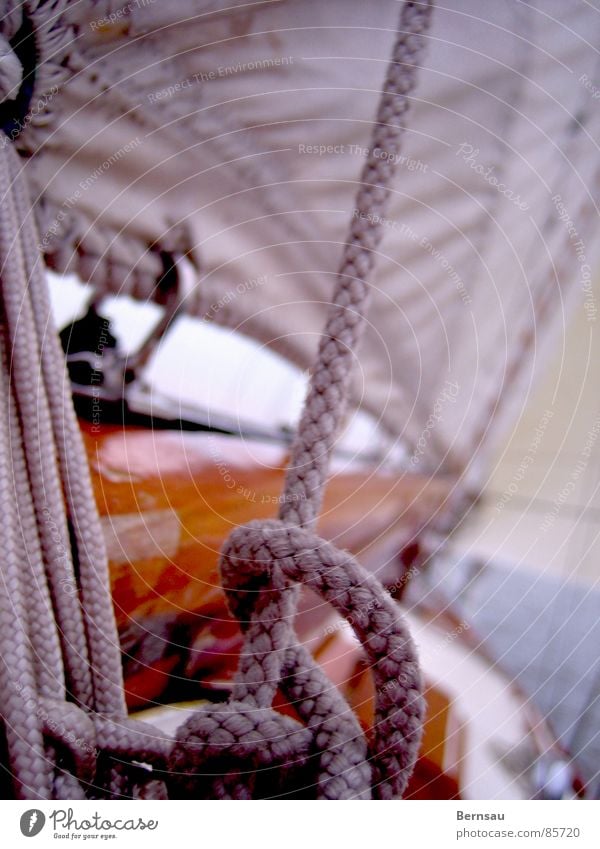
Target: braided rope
<point>61,638</point>
<point>325,403</point>
<point>62,700</point>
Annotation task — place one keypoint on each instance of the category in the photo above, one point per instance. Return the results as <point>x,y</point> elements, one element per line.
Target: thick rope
<point>61,693</point>
<point>55,548</point>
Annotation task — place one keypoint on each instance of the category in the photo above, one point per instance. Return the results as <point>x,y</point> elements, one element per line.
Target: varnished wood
<point>167,502</point>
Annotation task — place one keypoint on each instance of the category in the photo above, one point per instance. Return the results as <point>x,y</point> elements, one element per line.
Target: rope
<point>61,638</point>
<point>61,688</point>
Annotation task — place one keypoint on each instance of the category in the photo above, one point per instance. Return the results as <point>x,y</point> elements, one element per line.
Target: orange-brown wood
<point>169,499</point>
<point>167,502</point>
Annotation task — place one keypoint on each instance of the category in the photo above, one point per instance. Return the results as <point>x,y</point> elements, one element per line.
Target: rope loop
<point>261,563</point>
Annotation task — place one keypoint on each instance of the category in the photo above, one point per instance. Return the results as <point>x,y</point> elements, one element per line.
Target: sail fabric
<point>234,135</point>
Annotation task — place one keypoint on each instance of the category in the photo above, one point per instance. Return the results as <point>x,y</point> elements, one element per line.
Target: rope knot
<point>253,565</point>
<point>236,750</point>
<point>262,565</point>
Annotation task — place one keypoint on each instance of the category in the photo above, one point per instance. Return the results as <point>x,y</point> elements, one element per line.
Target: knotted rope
<point>61,689</point>
<point>270,559</point>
